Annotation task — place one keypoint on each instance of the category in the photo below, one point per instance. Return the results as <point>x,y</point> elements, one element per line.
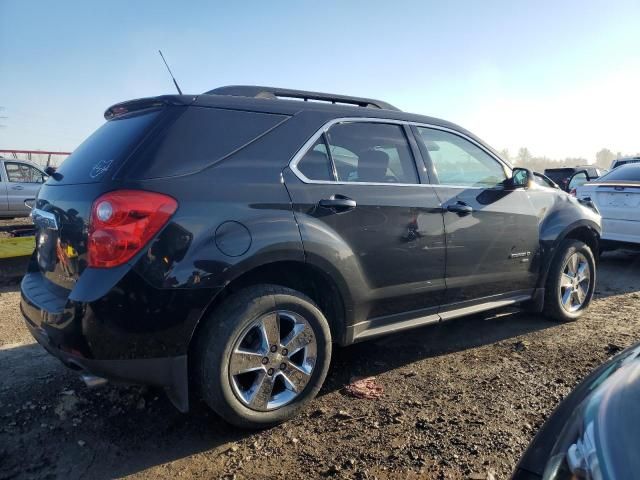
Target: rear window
<point>101,153</point>
<point>625,173</point>
<point>198,138</point>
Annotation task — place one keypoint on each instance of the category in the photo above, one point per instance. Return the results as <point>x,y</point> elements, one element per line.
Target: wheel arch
<point>304,277</point>
<point>583,230</point>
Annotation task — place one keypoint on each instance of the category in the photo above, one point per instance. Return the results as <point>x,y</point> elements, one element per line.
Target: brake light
<point>573,192</point>
<point>123,222</point>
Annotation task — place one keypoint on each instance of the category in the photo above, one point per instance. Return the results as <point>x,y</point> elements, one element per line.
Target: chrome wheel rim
<point>272,361</point>
<point>575,282</point>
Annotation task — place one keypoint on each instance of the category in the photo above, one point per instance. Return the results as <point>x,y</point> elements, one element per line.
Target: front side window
<point>368,152</point>
<point>459,162</point>
<point>23,173</point>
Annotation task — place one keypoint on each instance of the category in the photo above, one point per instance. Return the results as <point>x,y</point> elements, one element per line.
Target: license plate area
<point>622,199</point>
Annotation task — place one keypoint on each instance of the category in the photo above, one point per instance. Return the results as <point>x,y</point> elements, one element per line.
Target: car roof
<point>292,107</point>
<point>226,97</point>
<point>578,167</point>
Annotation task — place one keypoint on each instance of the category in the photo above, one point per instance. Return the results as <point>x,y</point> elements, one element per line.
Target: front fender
<point>566,218</point>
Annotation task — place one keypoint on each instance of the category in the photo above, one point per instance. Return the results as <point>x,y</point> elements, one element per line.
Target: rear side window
<point>100,154</point>
<point>361,152</point>
<point>198,138</point>
<point>371,153</point>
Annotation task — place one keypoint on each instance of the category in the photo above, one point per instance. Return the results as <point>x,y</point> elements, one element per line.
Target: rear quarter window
<point>198,138</point>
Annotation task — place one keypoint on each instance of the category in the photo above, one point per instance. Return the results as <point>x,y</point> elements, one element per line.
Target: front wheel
<point>571,281</point>
<point>263,355</point>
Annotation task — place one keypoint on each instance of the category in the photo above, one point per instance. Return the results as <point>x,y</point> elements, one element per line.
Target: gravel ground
<point>461,400</point>
<point>13,222</point>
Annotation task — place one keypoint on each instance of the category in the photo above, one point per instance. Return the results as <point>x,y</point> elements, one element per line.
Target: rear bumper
<point>169,373</point>
<point>625,231</point>
<point>89,341</point>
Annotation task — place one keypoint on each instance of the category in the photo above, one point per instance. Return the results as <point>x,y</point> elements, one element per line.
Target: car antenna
<point>170,73</point>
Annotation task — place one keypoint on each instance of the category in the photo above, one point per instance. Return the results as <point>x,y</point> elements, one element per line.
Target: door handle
<point>17,187</point>
<point>338,203</point>
<point>460,208</point>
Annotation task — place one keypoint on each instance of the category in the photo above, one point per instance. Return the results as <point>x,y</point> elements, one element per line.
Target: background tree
<point>504,153</point>
<point>524,156</point>
<point>604,158</point>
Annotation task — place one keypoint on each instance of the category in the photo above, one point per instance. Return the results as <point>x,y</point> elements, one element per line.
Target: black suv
<point>228,240</point>
<point>568,178</point>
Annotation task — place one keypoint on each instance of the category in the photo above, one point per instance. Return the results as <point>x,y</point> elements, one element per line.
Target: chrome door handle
<point>338,203</point>
<point>460,208</point>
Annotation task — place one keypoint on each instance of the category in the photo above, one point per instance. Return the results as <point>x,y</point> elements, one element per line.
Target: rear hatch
<point>143,143</point>
<point>63,206</point>
<point>617,194</point>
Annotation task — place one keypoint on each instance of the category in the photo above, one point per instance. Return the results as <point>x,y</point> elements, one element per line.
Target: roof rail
<point>284,93</point>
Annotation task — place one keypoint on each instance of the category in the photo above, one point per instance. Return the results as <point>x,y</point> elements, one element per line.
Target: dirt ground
<point>461,400</point>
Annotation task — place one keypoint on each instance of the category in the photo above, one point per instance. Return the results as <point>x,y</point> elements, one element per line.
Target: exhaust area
<point>93,381</point>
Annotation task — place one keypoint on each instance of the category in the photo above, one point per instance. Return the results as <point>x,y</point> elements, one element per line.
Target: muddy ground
<point>461,400</point>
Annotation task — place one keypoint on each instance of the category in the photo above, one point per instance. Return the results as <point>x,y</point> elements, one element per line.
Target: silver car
<point>19,182</point>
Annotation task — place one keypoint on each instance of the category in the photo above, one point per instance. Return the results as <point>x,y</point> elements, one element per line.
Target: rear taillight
<point>122,222</point>
<point>573,192</point>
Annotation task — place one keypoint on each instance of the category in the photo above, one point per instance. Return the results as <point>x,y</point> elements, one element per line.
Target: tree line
<point>524,158</point>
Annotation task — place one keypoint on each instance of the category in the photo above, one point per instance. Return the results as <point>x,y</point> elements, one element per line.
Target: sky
<point>561,78</point>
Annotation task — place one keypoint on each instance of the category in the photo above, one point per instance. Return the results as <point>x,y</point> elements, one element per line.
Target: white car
<point>617,196</point>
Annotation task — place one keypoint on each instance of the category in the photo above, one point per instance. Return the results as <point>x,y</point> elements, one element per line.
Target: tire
<point>240,324</point>
<point>556,286</point>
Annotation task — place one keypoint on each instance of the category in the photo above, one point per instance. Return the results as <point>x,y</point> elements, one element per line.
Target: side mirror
<point>521,178</point>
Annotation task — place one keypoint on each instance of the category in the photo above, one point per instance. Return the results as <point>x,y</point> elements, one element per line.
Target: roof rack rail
<point>284,93</point>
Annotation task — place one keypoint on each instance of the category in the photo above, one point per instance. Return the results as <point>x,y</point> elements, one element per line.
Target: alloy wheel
<point>272,361</point>
<point>575,282</point>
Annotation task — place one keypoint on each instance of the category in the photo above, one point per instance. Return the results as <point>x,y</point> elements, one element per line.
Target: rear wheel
<point>571,281</point>
<point>263,355</point>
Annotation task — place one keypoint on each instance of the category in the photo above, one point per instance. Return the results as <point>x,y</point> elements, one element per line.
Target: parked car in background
<point>593,433</point>
<point>20,181</point>
<point>624,161</point>
<point>617,197</point>
<point>232,238</point>
<point>563,175</point>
